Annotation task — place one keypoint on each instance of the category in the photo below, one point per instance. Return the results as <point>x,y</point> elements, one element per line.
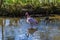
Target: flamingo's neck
<point>28,16</point>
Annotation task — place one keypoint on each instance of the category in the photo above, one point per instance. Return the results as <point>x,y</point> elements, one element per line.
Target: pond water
<point>17,29</point>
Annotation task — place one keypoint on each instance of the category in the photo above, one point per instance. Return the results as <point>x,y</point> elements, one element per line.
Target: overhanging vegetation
<point>15,7</point>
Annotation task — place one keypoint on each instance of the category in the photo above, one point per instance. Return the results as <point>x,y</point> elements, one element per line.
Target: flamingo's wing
<point>32,21</point>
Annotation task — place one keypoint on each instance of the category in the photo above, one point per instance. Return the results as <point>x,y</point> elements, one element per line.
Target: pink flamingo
<point>31,20</point>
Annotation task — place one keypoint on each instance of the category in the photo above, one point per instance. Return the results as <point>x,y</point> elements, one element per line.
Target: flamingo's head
<point>27,14</point>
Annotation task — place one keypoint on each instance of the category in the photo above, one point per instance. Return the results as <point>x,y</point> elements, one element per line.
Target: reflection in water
<point>17,29</point>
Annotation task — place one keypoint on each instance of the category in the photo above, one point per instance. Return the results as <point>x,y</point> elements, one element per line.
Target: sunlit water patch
<point>18,30</point>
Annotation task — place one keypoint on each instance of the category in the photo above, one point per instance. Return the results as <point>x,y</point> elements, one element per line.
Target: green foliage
<point>13,5</point>
<point>32,2</point>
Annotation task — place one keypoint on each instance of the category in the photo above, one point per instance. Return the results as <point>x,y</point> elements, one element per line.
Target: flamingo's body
<point>31,20</point>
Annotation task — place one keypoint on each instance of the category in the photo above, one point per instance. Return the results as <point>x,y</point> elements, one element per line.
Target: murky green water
<point>17,29</point>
